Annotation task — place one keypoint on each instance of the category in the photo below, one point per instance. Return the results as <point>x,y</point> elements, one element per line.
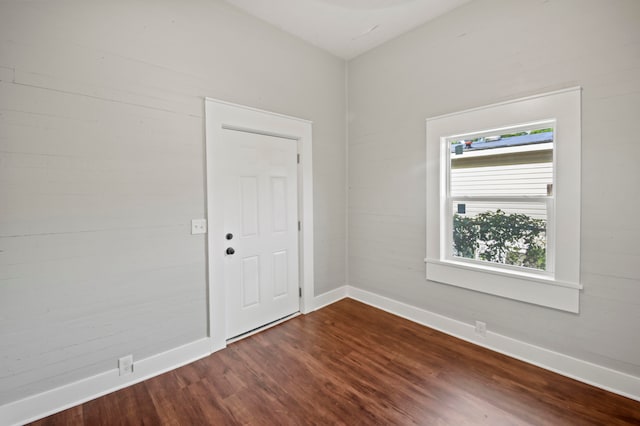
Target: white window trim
<point>558,289</point>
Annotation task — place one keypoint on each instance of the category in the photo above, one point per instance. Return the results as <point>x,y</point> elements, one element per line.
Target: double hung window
<point>503,199</point>
<point>500,197</point>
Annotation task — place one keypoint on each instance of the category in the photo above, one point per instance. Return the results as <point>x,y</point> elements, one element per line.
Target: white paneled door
<point>260,222</point>
<point>260,217</point>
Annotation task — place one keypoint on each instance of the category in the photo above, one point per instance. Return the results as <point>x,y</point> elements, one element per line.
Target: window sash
<point>447,232</point>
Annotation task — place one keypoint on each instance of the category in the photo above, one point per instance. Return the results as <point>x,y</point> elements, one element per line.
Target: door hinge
<point>298,158</point>
<point>299,291</point>
<point>299,226</point>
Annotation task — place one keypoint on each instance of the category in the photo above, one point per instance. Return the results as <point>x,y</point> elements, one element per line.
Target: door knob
<point>229,236</point>
<point>230,250</point>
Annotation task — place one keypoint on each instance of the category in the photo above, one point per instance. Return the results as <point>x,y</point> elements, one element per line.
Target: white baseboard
<point>329,297</point>
<point>67,396</point>
<point>593,374</point>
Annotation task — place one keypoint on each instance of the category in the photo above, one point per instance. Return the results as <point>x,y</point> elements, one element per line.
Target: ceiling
<point>346,28</point>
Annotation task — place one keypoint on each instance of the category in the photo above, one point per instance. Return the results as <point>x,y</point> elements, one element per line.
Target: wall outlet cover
<point>125,365</point>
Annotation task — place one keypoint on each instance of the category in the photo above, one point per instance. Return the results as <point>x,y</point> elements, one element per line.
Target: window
<point>499,194</point>
<point>503,199</point>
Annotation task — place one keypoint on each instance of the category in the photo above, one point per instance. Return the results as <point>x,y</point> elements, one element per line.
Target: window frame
<point>449,199</point>
<point>559,286</point>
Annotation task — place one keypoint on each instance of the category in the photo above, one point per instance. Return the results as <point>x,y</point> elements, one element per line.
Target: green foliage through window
<point>499,237</point>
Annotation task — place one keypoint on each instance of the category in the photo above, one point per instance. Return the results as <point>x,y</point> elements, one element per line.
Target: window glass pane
<point>508,233</point>
<point>509,164</point>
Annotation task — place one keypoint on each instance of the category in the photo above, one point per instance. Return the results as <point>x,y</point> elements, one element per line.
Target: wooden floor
<point>355,365</point>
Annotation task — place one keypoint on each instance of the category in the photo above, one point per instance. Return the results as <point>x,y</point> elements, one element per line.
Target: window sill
<point>530,288</point>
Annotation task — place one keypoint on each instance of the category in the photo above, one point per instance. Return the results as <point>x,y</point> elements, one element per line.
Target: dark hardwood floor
<point>353,364</point>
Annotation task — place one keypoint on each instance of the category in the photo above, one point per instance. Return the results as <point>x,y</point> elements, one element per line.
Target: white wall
<point>102,169</point>
<point>484,52</point>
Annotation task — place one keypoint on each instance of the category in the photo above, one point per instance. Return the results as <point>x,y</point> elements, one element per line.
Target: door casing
<point>221,115</point>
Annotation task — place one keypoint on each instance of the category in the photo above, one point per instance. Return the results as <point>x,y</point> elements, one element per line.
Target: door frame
<point>221,115</point>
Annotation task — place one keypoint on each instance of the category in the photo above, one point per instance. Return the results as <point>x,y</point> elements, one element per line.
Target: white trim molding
<point>532,289</point>
<point>583,371</point>
<point>332,296</point>
<point>55,400</point>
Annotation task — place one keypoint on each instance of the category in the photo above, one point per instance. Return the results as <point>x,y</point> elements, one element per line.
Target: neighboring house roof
<point>508,142</point>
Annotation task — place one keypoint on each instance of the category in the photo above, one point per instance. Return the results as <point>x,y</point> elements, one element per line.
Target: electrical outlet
<point>481,328</point>
<point>125,365</point>
<point>198,226</point>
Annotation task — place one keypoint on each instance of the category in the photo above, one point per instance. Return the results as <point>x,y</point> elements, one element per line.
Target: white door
<point>257,193</point>
<point>260,222</point>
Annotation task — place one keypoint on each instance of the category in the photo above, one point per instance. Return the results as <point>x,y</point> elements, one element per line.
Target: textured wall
<point>102,169</point>
<point>481,53</point>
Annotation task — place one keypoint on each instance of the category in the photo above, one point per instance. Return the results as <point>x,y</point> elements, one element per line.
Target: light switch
<point>198,226</point>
